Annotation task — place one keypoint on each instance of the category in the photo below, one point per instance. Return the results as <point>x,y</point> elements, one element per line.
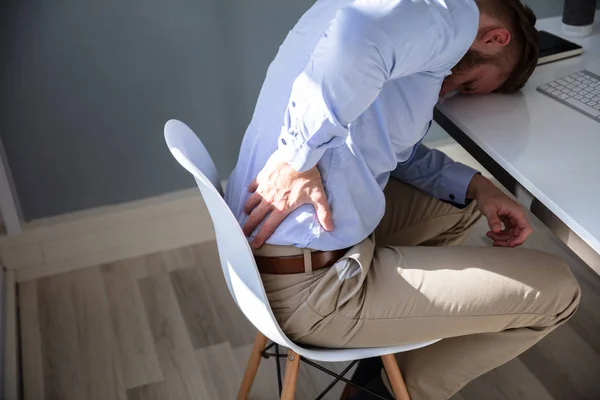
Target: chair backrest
<point>237,261</point>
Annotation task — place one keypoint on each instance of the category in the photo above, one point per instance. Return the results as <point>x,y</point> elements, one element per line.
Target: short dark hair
<point>524,46</point>
<point>527,38</point>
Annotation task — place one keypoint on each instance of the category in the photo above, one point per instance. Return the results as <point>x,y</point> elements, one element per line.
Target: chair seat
<point>342,355</point>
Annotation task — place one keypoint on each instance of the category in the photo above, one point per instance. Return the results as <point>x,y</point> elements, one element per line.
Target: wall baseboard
<point>106,234</point>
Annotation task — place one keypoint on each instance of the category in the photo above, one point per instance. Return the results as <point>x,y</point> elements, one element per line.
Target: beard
<point>471,59</point>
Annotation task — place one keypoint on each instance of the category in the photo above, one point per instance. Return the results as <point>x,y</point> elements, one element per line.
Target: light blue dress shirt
<point>352,90</point>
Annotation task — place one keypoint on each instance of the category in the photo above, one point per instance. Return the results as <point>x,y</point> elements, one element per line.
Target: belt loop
<point>307,261</point>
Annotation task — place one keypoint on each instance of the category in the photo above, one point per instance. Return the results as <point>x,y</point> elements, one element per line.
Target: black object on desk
<point>554,48</point>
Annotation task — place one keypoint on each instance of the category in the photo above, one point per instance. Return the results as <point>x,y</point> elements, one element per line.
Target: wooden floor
<point>164,327</point>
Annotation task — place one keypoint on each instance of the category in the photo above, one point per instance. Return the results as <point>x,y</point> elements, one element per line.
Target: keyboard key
<point>592,103</point>
<point>584,107</point>
<point>578,97</point>
<point>563,96</point>
<point>597,107</point>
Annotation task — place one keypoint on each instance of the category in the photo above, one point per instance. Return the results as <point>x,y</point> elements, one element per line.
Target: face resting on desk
<point>488,63</point>
<point>479,79</point>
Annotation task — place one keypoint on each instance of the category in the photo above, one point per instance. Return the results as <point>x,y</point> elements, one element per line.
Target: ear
<point>496,37</point>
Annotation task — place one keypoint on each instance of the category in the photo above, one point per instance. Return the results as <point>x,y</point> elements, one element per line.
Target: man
<point>350,203</point>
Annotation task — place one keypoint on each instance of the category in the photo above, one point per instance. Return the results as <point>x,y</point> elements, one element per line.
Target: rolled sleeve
<point>297,153</point>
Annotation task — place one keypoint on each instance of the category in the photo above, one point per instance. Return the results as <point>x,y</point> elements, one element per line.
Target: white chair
<point>245,284</point>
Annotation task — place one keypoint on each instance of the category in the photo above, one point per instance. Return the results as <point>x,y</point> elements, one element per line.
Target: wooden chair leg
<point>393,372</point>
<point>291,375</point>
<point>252,367</point>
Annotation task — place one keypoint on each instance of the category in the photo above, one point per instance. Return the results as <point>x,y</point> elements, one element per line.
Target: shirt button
<point>293,104</point>
<point>451,196</point>
<point>283,141</point>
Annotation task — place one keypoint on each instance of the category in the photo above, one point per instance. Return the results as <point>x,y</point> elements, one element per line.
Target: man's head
<point>504,53</point>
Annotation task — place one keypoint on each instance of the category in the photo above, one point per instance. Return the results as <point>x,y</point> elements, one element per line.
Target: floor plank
<point>265,383</point>
<point>98,350</point>
<point>237,329</point>
<point>179,258</point>
<point>321,380</point>
<point>566,365</point>
<point>151,391</point>
<point>458,396</point>
<point>31,353</point>
<point>63,375</point>
<point>173,345</point>
<point>139,360</point>
<point>512,381</point>
<point>203,323</point>
<point>145,266</point>
<point>219,369</point>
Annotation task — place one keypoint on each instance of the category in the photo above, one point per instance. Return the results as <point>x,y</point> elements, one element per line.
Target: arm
<point>437,174</point>
<point>363,47</point>
<point>343,76</point>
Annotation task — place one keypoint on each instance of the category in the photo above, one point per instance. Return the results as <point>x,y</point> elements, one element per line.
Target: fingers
<point>253,201</point>
<point>500,239</point>
<point>258,214</point>
<point>502,235</point>
<point>267,229</point>
<point>516,232</point>
<point>253,186</point>
<point>324,216</point>
<point>525,232</point>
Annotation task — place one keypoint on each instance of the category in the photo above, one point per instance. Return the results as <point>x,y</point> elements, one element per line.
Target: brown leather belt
<point>295,264</point>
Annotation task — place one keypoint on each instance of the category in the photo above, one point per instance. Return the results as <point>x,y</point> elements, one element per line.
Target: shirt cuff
<point>456,178</point>
<point>297,153</point>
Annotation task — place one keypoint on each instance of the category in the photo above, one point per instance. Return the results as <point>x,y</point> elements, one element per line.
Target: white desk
<point>527,138</point>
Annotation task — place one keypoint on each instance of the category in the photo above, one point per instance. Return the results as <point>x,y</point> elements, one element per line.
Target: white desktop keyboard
<point>580,91</point>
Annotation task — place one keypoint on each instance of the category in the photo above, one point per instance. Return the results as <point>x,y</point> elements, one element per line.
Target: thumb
<point>494,222</point>
<point>323,213</point>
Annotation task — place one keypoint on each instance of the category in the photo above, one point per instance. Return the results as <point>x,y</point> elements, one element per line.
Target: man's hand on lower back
<point>506,218</point>
<point>276,192</point>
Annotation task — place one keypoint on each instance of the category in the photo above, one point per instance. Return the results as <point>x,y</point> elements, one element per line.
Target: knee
<point>564,290</point>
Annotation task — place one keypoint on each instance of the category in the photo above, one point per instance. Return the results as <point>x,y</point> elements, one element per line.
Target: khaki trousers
<point>487,304</point>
